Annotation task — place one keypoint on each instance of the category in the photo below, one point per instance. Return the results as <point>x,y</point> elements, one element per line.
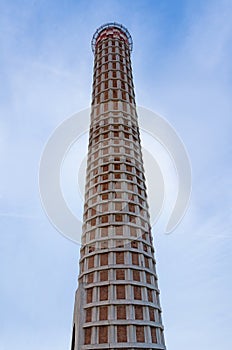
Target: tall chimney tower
<point>117,301</point>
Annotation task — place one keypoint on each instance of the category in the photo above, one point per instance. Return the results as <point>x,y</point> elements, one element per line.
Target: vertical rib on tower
<point>117,301</point>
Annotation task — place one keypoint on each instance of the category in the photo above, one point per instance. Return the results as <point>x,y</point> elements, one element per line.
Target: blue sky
<point>182,69</point>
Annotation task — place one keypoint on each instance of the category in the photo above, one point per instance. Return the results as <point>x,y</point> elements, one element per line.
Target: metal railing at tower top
<point>111,25</point>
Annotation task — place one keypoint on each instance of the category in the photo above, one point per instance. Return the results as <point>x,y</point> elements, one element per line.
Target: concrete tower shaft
<point>117,302</point>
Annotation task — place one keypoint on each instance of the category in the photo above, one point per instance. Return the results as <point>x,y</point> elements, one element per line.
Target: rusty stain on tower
<point>117,301</point>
